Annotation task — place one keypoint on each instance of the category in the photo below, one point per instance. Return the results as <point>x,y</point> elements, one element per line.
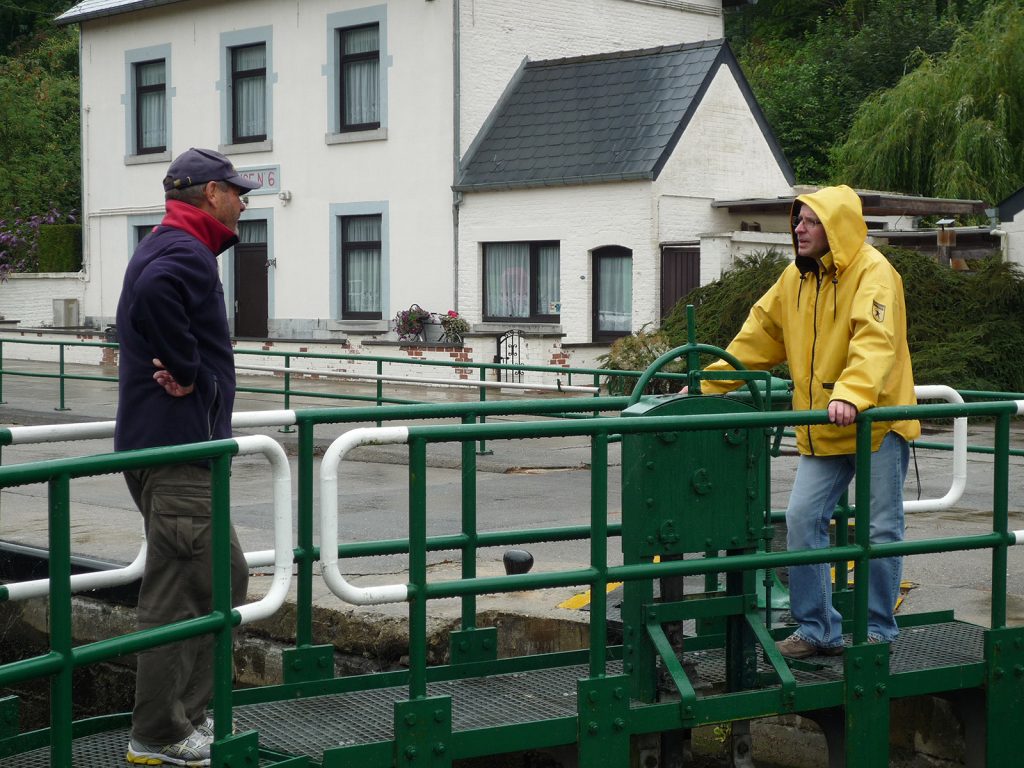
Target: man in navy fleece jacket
<point>176,384</point>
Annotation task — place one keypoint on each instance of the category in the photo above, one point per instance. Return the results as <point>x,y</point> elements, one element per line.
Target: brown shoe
<point>795,648</point>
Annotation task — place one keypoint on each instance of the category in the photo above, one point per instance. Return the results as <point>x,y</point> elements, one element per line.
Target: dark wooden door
<point>251,303</point>
<point>680,274</point>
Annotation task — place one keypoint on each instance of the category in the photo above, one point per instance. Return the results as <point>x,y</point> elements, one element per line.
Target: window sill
<point>359,326</point>
<point>243,148</point>
<point>377,134</point>
<point>534,329</point>
<point>155,157</point>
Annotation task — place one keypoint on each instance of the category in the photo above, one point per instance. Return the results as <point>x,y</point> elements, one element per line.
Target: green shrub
<point>964,329</point>
<point>635,353</point>
<point>60,247</point>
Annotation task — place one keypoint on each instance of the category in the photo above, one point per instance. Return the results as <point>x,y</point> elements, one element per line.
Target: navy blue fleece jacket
<point>172,308</point>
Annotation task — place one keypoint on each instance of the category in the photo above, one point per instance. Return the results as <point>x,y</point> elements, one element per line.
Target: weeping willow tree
<point>954,127</point>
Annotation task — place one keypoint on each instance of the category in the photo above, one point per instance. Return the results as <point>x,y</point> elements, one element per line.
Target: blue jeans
<point>820,481</point>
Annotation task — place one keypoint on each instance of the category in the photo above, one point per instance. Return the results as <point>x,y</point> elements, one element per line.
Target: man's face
<point>811,239</point>
<point>226,203</point>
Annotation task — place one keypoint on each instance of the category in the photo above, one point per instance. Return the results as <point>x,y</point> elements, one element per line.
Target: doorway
<point>251,271</point>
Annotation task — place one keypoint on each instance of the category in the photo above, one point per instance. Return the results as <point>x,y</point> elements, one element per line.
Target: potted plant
<point>454,327</point>
<point>409,323</point>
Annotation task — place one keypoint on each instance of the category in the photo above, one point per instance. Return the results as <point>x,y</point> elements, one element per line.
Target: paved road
<point>527,483</point>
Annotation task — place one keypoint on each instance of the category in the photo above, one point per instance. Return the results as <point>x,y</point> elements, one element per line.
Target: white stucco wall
<point>496,35</point>
<point>1013,240</point>
<point>408,174</point>
<point>28,297</point>
<point>581,219</point>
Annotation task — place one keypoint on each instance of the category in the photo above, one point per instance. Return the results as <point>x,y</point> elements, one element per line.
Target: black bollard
<point>517,561</point>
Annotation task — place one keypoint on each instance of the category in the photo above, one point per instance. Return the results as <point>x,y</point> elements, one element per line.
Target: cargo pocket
<point>180,520</point>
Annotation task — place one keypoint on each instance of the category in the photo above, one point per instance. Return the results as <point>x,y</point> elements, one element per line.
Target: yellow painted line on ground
<point>576,602</point>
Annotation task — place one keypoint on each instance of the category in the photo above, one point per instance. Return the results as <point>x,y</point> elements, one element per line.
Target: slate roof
<point>1011,206</point>
<point>94,9</point>
<point>606,117</point>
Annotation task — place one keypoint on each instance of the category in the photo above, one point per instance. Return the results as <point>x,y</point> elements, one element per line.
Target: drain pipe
<point>456,143</point>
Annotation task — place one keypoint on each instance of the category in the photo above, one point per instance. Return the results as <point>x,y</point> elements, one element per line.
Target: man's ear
<point>210,191</point>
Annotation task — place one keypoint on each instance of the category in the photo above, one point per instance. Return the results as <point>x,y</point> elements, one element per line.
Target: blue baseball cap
<point>198,166</point>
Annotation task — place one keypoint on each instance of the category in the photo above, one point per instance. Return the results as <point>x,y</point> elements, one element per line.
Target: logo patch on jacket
<point>878,311</point>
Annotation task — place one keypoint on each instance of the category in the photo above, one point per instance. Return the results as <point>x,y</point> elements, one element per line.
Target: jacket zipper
<point>211,415</point>
<point>814,347</point>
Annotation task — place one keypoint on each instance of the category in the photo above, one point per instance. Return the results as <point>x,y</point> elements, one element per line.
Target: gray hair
<point>193,195</point>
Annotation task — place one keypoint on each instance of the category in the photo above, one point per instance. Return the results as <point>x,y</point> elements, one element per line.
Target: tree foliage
<point>811,64</point>
<point>955,126</point>
<point>963,328</point>
<point>39,128</point>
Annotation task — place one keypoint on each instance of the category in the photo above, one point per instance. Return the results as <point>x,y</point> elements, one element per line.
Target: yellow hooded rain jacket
<point>842,328</point>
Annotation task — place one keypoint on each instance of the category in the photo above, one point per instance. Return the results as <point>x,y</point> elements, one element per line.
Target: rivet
<point>619,692</point>
<point>410,753</point>
<point>880,688</point>
<point>410,720</point>
<point>592,727</point>
<point>619,723</point>
<point>858,692</point>
<point>440,748</point>
<point>439,715</point>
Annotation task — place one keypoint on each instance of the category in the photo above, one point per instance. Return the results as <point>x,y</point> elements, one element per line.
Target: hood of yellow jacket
<point>840,212</point>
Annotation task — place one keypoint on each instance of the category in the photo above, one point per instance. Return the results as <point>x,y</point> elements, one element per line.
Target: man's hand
<point>164,378</point>
<point>684,390</point>
<point>841,413</point>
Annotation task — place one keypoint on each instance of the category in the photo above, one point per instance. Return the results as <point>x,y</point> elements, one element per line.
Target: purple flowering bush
<point>19,240</point>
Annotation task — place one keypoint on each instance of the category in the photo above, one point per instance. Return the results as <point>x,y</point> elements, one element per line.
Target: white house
<point>1011,225</point>
<point>386,135</point>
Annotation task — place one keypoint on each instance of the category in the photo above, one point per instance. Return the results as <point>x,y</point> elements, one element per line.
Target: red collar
<point>200,225</point>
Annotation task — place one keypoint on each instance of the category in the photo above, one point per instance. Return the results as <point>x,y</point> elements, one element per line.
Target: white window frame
<point>339,211</point>
<point>132,59</point>
<point>240,39</point>
<point>336,133</point>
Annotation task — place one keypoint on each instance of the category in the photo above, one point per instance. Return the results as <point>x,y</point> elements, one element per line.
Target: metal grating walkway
<point>311,726</point>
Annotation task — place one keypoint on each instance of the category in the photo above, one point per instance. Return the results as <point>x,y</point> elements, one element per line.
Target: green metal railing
<point>302,670</point>
<point>292,367</point>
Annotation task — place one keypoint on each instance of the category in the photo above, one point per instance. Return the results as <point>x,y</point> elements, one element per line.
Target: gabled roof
<point>605,117</point>
<point>94,9</point>
<point>1012,205</point>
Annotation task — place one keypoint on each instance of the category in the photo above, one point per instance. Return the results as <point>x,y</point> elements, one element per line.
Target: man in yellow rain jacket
<point>838,316</point>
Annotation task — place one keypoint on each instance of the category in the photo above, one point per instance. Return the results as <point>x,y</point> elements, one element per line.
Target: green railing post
<point>220,502</point>
<point>380,387</point>
<point>417,568</point>
<point>61,372</point>
<point>1000,514</point>
<point>287,391</point>
<point>60,619</point>
<point>306,661</point>
<point>482,446</point>
<point>599,553</point>
<point>2,401</point>
<point>469,524</point>
<point>862,563</point>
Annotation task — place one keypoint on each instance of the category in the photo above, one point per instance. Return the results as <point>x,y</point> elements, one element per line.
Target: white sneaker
<point>193,751</point>
<point>205,728</point>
